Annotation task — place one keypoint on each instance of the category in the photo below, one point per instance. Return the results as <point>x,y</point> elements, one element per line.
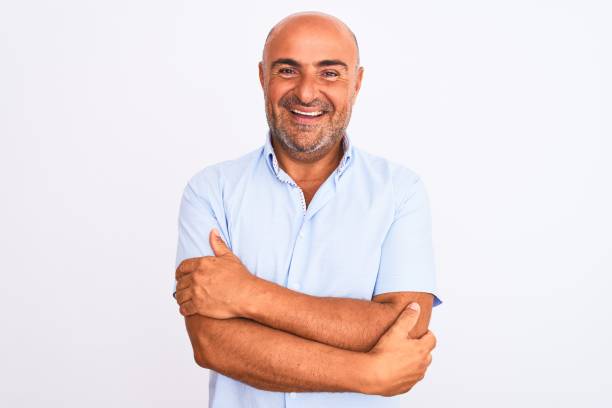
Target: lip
<point>306,120</point>
<point>306,110</point>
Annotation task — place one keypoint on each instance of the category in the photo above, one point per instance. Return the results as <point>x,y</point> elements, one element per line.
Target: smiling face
<point>310,78</point>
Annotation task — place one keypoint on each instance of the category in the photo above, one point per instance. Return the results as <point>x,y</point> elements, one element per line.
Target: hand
<point>398,361</point>
<point>213,286</point>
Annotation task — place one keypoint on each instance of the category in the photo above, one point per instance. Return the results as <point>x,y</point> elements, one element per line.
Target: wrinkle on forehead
<point>308,21</point>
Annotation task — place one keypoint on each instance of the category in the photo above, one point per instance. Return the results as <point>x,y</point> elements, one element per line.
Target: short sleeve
<point>407,258</point>
<point>200,211</point>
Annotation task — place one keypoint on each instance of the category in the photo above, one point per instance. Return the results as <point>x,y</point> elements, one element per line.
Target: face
<point>310,80</point>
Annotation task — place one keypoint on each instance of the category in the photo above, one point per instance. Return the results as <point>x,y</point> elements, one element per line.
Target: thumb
<point>217,244</point>
<point>406,321</point>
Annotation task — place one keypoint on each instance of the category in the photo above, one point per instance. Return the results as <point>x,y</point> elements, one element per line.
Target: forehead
<point>310,42</point>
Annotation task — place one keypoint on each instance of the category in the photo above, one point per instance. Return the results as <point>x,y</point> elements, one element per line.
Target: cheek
<point>276,91</point>
<point>339,98</point>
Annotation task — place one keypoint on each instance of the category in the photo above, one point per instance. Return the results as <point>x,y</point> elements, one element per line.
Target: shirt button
<point>293,395</point>
<point>301,234</point>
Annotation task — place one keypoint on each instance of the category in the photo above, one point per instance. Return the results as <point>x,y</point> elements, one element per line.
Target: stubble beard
<point>307,143</point>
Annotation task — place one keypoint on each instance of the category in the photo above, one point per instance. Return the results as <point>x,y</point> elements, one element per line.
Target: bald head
<point>311,21</point>
<point>310,76</point>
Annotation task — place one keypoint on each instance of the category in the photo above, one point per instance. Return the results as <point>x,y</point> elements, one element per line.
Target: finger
<point>217,244</point>
<point>428,341</point>
<point>187,308</point>
<point>184,281</point>
<point>187,266</point>
<point>183,296</point>
<point>406,320</point>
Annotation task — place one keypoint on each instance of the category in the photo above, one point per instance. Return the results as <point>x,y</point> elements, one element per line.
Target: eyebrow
<point>329,63</point>
<point>322,63</point>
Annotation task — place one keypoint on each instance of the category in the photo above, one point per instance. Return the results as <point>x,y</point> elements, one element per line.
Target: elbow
<point>200,342</point>
<point>201,358</point>
<point>204,355</point>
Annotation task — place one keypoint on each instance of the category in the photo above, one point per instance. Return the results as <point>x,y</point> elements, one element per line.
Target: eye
<point>330,74</point>
<point>286,71</point>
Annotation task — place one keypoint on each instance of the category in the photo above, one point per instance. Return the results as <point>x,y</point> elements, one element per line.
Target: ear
<point>358,83</point>
<point>261,74</point>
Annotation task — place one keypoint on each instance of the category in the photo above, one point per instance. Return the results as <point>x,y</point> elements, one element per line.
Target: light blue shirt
<point>366,231</point>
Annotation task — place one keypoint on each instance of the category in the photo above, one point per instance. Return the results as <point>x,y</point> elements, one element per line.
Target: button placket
<point>302,199</point>
<point>298,258</point>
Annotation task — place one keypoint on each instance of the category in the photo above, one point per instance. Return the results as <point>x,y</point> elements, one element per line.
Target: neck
<point>306,170</point>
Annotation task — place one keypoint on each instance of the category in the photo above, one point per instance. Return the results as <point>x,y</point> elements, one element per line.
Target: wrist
<point>361,373</point>
<point>250,298</point>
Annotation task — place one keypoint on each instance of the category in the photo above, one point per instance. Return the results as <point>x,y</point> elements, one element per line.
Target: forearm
<point>350,324</point>
<point>273,360</point>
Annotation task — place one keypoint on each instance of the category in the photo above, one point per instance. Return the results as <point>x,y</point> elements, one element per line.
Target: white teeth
<point>307,113</point>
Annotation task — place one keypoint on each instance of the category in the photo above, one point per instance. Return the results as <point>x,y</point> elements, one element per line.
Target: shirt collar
<point>344,162</point>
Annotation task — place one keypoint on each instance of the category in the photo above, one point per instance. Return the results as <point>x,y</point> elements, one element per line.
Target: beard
<point>306,142</point>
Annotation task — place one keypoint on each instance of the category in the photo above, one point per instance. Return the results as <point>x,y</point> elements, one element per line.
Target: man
<point>305,268</point>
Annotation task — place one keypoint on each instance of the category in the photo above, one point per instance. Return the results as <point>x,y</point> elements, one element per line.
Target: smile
<point>306,118</point>
<point>302,113</point>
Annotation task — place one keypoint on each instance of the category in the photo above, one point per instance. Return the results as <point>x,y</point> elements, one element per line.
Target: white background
<point>107,108</point>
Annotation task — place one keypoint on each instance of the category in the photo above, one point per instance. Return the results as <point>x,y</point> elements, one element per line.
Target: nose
<point>306,89</point>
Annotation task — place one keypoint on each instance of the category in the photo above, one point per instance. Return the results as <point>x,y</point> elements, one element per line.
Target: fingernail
<point>216,233</point>
<point>414,306</point>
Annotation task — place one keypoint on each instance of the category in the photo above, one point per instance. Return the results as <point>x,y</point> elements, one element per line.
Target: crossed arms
<point>276,339</point>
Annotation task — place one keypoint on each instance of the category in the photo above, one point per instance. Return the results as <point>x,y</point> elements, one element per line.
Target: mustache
<point>292,101</point>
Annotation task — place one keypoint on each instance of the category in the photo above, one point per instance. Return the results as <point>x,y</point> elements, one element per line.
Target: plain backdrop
<point>107,108</point>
